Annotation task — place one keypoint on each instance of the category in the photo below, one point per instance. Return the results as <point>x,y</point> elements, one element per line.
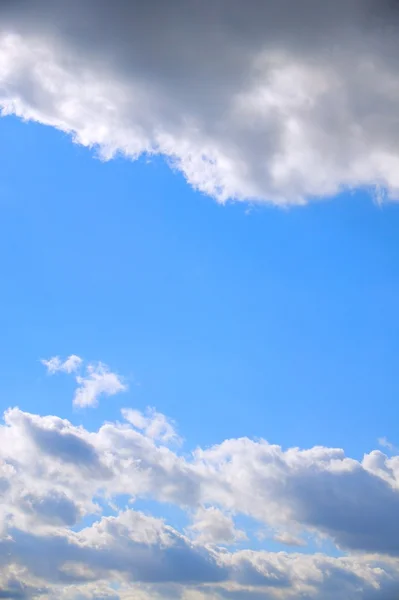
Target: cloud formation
<point>272,101</point>
<point>57,365</point>
<point>153,424</point>
<point>212,526</point>
<point>98,381</point>
<point>55,476</point>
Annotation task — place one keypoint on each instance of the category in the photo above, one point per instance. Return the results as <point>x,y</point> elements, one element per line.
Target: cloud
<point>17,591</point>
<point>211,526</point>
<point>137,550</point>
<point>288,539</point>
<point>98,381</point>
<point>54,474</point>
<point>384,443</point>
<point>49,461</point>
<point>153,424</point>
<point>56,365</point>
<point>272,101</point>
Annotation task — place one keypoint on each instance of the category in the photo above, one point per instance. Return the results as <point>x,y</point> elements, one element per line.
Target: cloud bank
<point>276,101</point>
<point>64,532</point>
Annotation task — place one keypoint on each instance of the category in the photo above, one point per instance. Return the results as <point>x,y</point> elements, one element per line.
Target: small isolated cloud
<point>212,526</point>
<point>153,424</point>
<point>57,365</point>
<point>385,443</point>
<point>98,381</point>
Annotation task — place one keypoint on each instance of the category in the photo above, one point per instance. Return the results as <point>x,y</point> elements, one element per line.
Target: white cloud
<point>98,381</point>
<point>384,443</point>
<point>212,526</point>
<point>49,462</point>
<point>144,556</point>
<point>57,365</point>
<point>153,424</point>
<point>277,101</point>
<point>53,474</point>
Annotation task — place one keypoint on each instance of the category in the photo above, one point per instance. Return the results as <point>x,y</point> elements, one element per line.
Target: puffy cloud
<point>277,101</point>
<point>56,365</point>
<point>140,548</point>
<point>55,475</point>
<point>319,489</point>
<point>133,549</point>
<point>98,381</point>
<point>212,526</point>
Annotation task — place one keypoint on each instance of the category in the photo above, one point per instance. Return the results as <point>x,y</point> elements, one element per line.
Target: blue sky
<point>235,320</point>
<point>199,281</point>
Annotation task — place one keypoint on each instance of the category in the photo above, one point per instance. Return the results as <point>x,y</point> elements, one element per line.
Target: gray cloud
<point>54,508</point>
<point>16,590</point>
<point>64,445</point>
<point>134,548</point>
<point>319,491</point>
<point>354,507</point>
<point>115,544</point>
<point>279,101</point>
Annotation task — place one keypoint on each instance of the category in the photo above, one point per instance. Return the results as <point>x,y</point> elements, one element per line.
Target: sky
<point>198,291</point>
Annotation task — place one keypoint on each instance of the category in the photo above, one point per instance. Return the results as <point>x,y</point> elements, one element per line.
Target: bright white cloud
<point>57,365</point>
<point>98,381</point>
<point>153,424</point>
<point>277,101</point>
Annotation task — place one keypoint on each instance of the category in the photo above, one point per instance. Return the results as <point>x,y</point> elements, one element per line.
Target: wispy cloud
<point>288,539</point>
<point>385,443</point>
<point>57,365</point>
<point>153,424</point>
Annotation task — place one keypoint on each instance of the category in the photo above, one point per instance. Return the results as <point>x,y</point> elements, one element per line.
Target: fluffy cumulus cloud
<point>212,526</point>
<point>98,380</point>
<point>276,101</point>
<point>67,530</point>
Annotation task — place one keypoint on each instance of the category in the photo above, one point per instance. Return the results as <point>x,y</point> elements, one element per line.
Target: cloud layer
<point>59,482</point>
<point>273,101</point>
